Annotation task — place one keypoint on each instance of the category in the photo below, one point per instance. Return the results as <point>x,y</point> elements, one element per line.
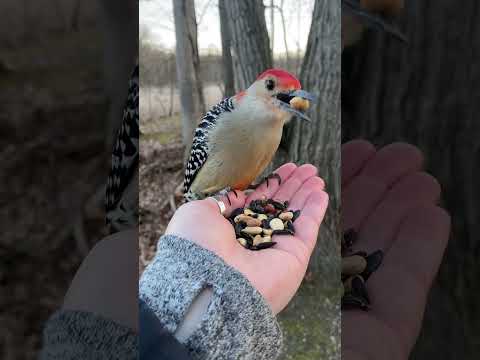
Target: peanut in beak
<point>299,103</point>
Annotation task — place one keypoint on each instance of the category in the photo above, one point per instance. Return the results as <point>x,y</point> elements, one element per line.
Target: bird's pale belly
<point>238,169</point>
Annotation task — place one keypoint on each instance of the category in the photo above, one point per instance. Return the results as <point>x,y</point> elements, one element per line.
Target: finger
<point>355,155</point>
<point>359,198</point>
<point>294,182</point>
<point>236,199</point>
<point>367,344</point>
<point>366,190</point>
<point>409,268</point>
<point>311,216</point>
<point>392,162</point>
<point>412,191</point>
<point>300,197</point>
<point>285,171</point>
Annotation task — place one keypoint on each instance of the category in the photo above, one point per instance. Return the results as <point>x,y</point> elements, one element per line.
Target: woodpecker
<point>121,197</point>
<point>237,138</point>
<point>359,14</point>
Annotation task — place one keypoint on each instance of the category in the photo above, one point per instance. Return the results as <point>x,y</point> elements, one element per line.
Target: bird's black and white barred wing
<point>199,150</point>
<point>121,198</point>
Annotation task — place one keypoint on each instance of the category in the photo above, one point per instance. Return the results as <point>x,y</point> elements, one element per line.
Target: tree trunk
<point>427,94</point>
<point>272,24</point>
<point>284,27</point>
<point>228,77</point>
<point>318,143</point>
<point>120,50</point>
<point>191,93</point>
<point>250,44</point>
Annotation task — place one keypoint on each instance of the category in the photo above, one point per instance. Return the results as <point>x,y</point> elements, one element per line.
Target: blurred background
<point>426,93</point>
<point>193,54</point>
<point>61,100</point>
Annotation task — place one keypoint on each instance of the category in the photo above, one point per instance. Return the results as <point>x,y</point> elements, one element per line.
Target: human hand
<point>391,204</point>
<point>275,272</point>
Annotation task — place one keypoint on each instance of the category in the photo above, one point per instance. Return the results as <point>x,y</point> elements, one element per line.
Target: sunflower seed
<point>350,300</point>
<point>296,214</point>
<point>289,226</point>
<point>374,260</point>
<point>359,288</point>
<point>264,245</point>
<point>353,265</point>
<point>282,232</point>
<point>236,212</point>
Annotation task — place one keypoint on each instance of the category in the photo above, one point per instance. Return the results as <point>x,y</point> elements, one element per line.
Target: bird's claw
<point>265,179</point>
<point>225,193</point>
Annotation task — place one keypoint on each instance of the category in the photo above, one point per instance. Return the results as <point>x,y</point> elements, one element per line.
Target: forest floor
<point>161,172</point>
<point>50,215</point>
<point>311,322</point>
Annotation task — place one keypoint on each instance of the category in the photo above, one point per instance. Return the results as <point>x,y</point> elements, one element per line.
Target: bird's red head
<point>285,80</point>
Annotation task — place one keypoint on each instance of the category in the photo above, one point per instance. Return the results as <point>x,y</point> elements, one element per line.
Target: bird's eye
<point>269,84</point>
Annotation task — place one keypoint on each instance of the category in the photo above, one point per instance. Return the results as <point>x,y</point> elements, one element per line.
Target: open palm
<point>391,203</point>
<point>275,272</point>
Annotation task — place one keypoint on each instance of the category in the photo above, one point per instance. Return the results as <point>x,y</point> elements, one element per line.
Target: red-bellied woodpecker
<point>238,137</point>
<point>121,197</point>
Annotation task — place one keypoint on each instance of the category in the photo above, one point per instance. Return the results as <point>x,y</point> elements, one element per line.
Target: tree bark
<point>228,76</point>
<point>191,92</point>
<point>318,142</point>
<point>427,94</point>
<point>250,43</point>
<point>272,24</point>
<point>121,50</point>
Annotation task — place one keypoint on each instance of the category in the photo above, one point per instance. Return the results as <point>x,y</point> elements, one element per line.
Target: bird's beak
<point>296,103</point>
<point>373,20</point>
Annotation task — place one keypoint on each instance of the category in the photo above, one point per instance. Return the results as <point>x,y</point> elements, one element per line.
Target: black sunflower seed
<point>296,214</point>
<point>282,232</point>
<point>349,238</point>
<point>277,204</point>
<point>257,206</point>
<point>264,245</point>
<point>359,253</point>
<point>236,212</point>
<point>239,227</point>
<point>354,301</point>
<point>265,224</point>
<point>359,288</point>
<point>290,226</point>
<point>374,260</point>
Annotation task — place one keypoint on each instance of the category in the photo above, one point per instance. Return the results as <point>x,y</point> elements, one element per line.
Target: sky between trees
<point>156,18</point>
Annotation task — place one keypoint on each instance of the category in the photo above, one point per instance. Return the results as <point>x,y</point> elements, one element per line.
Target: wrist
<point>234,320</point>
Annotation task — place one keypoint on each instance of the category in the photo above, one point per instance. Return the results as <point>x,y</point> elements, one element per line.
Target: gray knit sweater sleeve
<point>238,323</point>
<point>72,335</point>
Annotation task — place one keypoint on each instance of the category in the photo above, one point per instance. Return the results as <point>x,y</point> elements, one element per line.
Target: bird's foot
<point>265,179</point>
<point>225,192</point>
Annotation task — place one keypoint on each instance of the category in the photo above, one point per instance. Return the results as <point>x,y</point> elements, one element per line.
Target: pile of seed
<point>256,224</point>
<point>356,269</point>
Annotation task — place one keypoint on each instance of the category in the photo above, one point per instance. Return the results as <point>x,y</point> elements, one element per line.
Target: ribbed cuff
<point>73,334</point>
<point>238,323</point>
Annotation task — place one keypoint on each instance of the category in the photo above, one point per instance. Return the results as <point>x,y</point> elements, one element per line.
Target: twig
<point>173,206</point>
<point>79,235</point>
